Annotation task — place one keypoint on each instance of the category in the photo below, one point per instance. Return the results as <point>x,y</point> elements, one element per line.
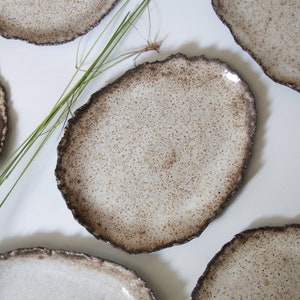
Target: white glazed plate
<point>40,273</point>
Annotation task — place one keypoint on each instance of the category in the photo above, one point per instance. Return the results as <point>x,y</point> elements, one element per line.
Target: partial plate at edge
<point>51,22</point>
<point>260,263</point>
<point>3,117</point>
<point>40,273</point>
<point>269,31</point>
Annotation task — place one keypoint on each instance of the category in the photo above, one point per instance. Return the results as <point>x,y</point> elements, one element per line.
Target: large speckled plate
<point>50,22</point>
<point>3,118</point>
<point>260,263</point>
<point>40,273</point>
<point>153,157</point>
<point>269,31</point>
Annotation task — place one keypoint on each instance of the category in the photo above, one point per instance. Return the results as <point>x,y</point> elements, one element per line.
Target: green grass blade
<point>61,110</point>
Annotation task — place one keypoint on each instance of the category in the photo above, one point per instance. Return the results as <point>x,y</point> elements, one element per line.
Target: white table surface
<point>36,214</point>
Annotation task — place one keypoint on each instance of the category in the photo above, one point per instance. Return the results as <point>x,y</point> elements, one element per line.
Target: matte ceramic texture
<point>260,263</point>
<point>269,31</point>
<point>153,157</point>
<point>3,117</point>
<point>40,273</point>
<point>50,22</point>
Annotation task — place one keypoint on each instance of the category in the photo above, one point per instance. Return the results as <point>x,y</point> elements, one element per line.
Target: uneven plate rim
<point>36,252</point>
<point>244,165</point>
<point>3,117</point>
<point>239,236</point>
<point>250,52</point>
<point>53,41</point>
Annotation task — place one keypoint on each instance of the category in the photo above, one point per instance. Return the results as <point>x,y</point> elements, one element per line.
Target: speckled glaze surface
<point>40,273</point>
<point>269,31</point>
<point>153,157</point>
<point>260,263</point>
<point>50,22</point>
<point>3,117</point>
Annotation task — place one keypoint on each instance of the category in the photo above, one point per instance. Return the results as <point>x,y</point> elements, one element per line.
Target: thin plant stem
<point>61,110</point>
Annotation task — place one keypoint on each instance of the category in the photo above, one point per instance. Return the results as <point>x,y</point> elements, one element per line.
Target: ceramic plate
<point>154,156</point>
<point>39,273</point>
<point>50,22</point>
<point>3,117</point>
<point>269,31</point>
<point>260,263</point>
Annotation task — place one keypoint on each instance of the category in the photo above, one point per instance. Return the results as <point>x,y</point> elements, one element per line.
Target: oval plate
<point>153,157</point>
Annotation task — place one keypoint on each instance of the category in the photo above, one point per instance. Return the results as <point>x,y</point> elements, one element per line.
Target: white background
<point>36,215</point>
